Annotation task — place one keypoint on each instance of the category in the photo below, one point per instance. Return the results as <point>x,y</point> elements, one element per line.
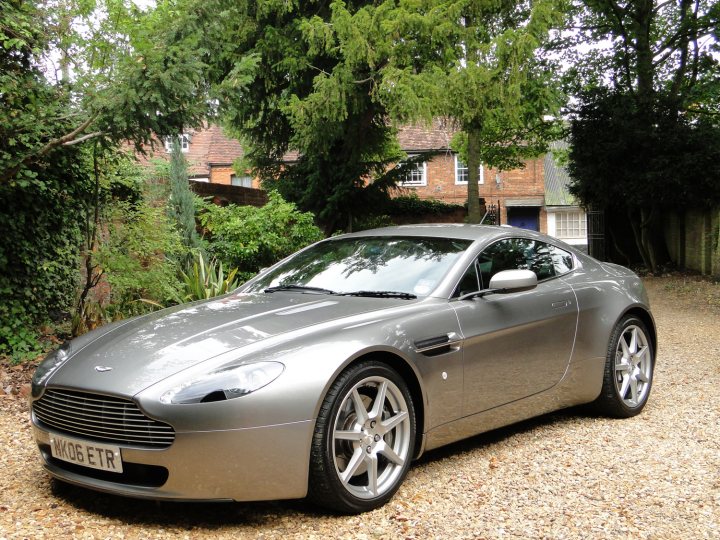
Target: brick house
<point>534,197</point>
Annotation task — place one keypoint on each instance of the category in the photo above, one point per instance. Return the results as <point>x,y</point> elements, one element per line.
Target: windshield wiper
<point>299,288</point>
<point>380,294</point>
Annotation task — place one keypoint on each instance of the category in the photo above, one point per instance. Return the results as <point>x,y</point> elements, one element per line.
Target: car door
<point>515,344</point>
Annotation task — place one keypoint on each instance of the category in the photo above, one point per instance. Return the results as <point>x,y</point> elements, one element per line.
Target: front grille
<point>101,418</point>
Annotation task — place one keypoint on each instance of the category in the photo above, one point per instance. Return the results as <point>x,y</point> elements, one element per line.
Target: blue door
<point>525,217</point>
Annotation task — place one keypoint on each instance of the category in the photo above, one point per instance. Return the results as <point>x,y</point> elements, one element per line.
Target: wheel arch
<point>647,319</point>
<point>409,375</point>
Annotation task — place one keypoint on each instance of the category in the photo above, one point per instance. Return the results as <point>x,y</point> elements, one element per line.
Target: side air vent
<point>437,345</point>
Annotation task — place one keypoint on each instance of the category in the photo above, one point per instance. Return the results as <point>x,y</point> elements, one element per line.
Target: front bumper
<point>252,464</point>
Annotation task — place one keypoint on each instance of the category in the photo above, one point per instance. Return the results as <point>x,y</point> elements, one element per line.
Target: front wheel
<point>364,439</point>
<point>628,370</point>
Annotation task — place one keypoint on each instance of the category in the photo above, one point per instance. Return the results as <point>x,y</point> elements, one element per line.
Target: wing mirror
<point>513,281</point>
<point>507,281</point>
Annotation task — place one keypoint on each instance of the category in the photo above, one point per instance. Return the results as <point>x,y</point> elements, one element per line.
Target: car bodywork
<point>471,365</point>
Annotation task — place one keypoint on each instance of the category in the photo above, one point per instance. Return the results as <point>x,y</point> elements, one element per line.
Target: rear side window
<point>562,260</point>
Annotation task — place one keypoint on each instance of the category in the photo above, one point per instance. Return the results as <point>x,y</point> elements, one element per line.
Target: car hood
<point>144,351</point>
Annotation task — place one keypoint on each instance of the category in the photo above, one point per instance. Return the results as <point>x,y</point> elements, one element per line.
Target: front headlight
<point>47,367</point>
<point>226,383</point>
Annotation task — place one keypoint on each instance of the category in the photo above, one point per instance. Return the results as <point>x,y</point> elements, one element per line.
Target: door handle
<point>561,304</point>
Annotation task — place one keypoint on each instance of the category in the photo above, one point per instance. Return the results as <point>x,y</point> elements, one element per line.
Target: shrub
<point>138,261</point>
<point>250,238</point>
<point>206,279</point>
<point>38,251</point>
<point>412,205</point>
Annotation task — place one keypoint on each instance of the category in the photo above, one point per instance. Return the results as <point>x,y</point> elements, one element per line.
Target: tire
<point>628,375</point>
<point>364,439</point>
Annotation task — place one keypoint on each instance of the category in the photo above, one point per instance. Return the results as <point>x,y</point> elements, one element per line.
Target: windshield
<point>409,265</point>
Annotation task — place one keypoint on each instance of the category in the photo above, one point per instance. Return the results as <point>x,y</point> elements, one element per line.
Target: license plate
<point>104,457</point>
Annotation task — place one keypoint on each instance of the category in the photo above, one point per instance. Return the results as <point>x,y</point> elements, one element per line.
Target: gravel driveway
<point>565,475</point>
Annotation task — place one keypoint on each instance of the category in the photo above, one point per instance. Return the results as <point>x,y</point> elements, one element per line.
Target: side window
<point>469,282</point>
<point>516,253</point>
<point>562,260</point>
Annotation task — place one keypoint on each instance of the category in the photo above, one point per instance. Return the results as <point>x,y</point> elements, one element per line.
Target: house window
<point>417,175</point>
<point>570,224</point>
<point>461,172</point>
<point>242,180</point>
<point>184,143</point>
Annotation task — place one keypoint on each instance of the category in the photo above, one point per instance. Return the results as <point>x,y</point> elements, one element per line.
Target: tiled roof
<point>419,138</point>
<point>557,179</point>
<point>223,150</point>
<point>211,146</point>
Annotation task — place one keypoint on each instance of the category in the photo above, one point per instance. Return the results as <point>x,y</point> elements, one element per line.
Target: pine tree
<point>181,206</point>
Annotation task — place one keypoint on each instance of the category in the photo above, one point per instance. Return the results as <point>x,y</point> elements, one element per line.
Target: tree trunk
<point>653,238</point>
<point>636,226</point>
<point>473,150</point>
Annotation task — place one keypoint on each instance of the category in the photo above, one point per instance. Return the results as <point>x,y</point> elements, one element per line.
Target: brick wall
<point>513,185</point>
<point>221,174</point>
<point>224,194</point>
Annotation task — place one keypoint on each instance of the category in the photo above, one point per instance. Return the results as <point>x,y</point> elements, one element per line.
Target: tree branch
<point>66,138</point>
<point>83,138</point>
<point>51,145</point>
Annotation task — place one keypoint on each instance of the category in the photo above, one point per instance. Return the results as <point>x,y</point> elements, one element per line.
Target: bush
<point>412,205</point>
<point>207,279</point>
<point>138,260</point>
<point>39,248</point>
<point>250,238</point>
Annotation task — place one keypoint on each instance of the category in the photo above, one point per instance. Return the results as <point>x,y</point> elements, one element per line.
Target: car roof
<point>462,231</point>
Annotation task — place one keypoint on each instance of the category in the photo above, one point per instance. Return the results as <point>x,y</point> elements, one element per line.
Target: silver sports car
<point>328,373</point>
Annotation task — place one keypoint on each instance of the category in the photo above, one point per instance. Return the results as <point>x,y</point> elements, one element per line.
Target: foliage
<point>673,163</point>
<point>116,178</point>
<point>117,77</point>
<point>500,89</point>
<point>645,135</point>
<point>250,238</point>
<point>138,261</point>
<point>206,279</point>
<point>371,222</point>
<point>328,81</point>
<point>412,205</point>
<point>181,205</point>
<point>38,256</point>
<point>73,73</point>
<point>284,83</point>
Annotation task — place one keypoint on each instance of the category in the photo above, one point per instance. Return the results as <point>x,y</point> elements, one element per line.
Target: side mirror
<point>509,281</point>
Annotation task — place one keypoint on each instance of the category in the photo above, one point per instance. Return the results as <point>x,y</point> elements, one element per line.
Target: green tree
<point>645,136</point>
<point>328,81</point>
<point>138,258</point>
<point>284,84</point>
<point>77,79</point>
<point>496,82</point>
<point>181,205</point>
<point>99,69</point>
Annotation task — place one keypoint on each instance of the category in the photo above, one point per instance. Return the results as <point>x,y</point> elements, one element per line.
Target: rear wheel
<point>364,439</point>
<point>628,370</point>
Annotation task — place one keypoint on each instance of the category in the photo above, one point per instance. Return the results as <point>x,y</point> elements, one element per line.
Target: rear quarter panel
<point>604,292</point>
